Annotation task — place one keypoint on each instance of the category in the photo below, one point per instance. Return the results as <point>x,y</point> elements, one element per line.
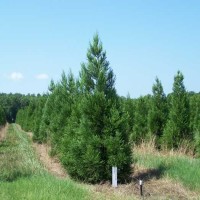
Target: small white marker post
<point>140,183</point>
<point>114,176</point>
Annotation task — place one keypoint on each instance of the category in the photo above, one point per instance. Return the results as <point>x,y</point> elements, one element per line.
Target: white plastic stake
<point>114,176</point>
<point>141,183</point>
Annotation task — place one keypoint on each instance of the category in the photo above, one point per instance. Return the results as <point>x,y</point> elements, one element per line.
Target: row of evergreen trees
<point>91,128</point>
<point>84,121</point>
<point>173,120</point>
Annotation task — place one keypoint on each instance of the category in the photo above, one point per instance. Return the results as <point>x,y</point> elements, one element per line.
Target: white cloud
<point>42,76</point>
<point>15,76</point>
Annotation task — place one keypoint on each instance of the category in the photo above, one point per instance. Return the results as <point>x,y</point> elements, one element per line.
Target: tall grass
<point>43,187</point>
<point>17,158</point>
<point>23,177</point>
<point>174,165</point>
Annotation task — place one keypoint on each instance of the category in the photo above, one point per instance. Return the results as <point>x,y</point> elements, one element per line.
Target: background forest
<point>91,128</point>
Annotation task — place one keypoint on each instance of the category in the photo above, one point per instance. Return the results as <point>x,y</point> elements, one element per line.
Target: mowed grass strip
<point>17,158</point>
<point>43,187</point>
<point>23,177</point>
<point>176,166</point>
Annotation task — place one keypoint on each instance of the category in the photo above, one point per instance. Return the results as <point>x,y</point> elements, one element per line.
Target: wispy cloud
<point>42,76</point>
<point>15,76</point>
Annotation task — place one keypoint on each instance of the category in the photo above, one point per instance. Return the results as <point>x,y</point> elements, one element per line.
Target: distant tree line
<point>10,104</point>
<point>91,128</point>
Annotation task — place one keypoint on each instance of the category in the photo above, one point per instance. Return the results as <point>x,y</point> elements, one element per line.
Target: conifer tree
<point>57,110</point>
<point>129,107</point>
<point>100,138</point>
<point>157,115</point>
<point>195,120</point>
<point>2,117</point>
<point>194,111</point>
<point>177,127</point>
<point>47,115</point>
<point>140,128</point>
<point>41,100</point>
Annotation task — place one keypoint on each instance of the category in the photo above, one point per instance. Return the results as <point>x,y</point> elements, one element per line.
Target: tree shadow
<point>149,174</point>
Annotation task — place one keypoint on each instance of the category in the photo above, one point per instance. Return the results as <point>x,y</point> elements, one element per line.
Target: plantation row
<point>84,121</point>
<point>92,129</point>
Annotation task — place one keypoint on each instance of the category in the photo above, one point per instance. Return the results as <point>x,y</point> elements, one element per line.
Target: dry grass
<point>3,130</point>
<point>158,187</point>
<point>160,172</point>
<point>157,184</point>
<point>52,164</point>
<point>153,188</point>
<point>185,149</point>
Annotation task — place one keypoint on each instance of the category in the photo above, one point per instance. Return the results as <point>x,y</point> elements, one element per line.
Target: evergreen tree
<point>177,127</point>
<point>2,117</point>
<point>195,120</point>
<point>38,113</point>
<point>194,111</point>
<point>129,107</point>
<point>140,128</point>
<point>64,100</point>
<point>100,139</point>
<point>158,111</point>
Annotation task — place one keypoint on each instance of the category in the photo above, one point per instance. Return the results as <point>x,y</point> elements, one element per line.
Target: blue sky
<point>143,39</point>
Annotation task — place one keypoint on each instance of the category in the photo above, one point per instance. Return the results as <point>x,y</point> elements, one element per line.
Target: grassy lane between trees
<point>23,177</point>
<point>166,175</point>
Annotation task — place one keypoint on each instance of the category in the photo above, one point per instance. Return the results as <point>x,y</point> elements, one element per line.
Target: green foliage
<point>57,111</point>
<point>129,108</point>
<point>43,187</point>
<point>23,177</point>
<point>157,115</point>
<point>90,127</point>
<point>2,117</point>
<point>38,113</point>
<point>17,158</point>
<point>96,137</point>
<point>11,103</point>
<point>178,167</point>
<point>140,128</point>
<point>177,127</point>
<point>195,120</point>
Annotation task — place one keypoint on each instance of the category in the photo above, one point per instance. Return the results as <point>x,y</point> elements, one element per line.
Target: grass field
<point>23,177</point>
<point>166,175</point>
<point>171,165</point>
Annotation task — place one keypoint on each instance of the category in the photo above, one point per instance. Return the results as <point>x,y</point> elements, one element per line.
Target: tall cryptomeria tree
<point>157,115</point>
<point>96,75</point>
<point>177,127</point>
<point>100,138</point>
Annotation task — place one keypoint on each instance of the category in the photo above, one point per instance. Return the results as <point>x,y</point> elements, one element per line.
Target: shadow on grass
<point>149,174</point>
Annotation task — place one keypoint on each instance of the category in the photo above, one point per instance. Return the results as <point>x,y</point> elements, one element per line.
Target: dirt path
<point>52,164</point>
